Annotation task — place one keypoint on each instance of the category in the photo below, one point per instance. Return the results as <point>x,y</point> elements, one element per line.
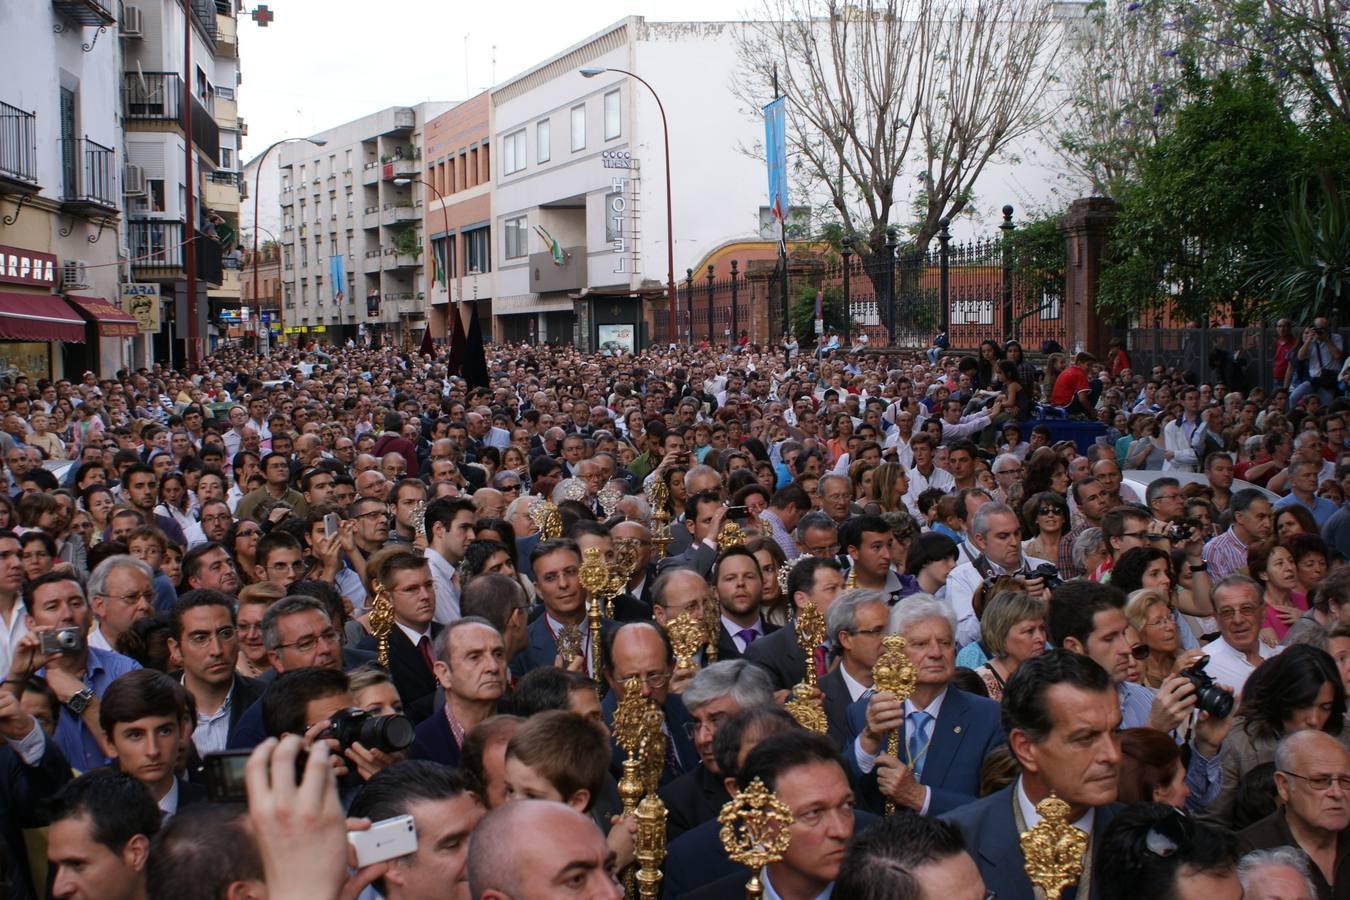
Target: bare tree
<point>879,91</point>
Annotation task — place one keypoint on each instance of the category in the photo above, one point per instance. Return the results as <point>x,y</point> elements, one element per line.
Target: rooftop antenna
<point>494,63</point>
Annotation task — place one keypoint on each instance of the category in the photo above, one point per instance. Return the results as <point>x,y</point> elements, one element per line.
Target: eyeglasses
<point>653,680</point>
<point>1247,610</point>
<point>202,638</point>
<point>147,596</point>
<point>310,641</point>
<point>1322,782</point>
<point>247,532</point>
<point>372,513</point>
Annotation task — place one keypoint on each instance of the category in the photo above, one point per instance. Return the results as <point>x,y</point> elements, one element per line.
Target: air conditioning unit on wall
<point>74,274</point>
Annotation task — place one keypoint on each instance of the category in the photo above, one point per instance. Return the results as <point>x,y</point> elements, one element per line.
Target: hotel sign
<point>31,267</point>
<point>621,213</point>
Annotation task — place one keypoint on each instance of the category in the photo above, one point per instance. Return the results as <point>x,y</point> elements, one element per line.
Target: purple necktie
<point>747,636</point>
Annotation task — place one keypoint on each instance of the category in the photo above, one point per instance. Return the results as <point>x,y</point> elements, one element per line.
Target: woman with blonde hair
<point>861,474</point>
<point>253,602</point>
<point>1012,630</point>
<point>890,483</point>
<point>1149,611</point>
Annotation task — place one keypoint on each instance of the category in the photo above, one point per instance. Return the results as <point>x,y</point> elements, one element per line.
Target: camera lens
<point>387,733</point>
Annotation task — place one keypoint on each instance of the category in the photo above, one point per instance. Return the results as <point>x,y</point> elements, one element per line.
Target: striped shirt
<point>781,535</point>
<point>1225,555</point>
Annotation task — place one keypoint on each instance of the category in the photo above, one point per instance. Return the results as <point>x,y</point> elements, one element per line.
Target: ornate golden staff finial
<point>687,636</point>
<point>893,672</point>
<point>630,732</point>
<point>594,577</point>
<point>419,519</point>
<point>755,831</point>
<point>546,519</point>
<point>810,635</point>
<point>712,622</point>
<point>784,573</point>
<point>657,496</point>
<point>650,846</point>
<point>573,489</point>
<point>1052,851</point>
<point>852,580</point>
<point>609,498</point>
<point>381,620</point>
<point>731,535</point>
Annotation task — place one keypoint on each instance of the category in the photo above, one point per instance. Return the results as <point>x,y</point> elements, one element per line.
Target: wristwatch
<point>79,701</point>
<point>1200,568</point>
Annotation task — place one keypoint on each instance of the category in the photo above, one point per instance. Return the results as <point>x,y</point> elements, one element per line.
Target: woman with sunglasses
<point>241,541</point>
<point>1298,690</point>
<point>1045,516</point>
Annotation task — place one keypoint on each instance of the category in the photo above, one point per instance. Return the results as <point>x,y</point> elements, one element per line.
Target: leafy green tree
<point>1203,198</point>
<point>1304,269</point>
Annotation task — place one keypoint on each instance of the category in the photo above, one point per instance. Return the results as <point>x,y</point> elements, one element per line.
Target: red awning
<point>38,317</point>
<point>111,321</point>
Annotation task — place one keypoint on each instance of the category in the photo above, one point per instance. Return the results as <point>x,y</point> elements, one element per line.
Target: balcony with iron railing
<point>157,251</point>
<point>88,177</point>
<point>18,150</point>
<point>86,12</point>
<point>157,97</point>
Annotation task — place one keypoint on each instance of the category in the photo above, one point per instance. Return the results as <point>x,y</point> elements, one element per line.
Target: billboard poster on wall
<point>616,339</point>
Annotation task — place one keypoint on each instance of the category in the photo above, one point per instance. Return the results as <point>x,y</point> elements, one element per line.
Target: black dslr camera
<point>386,733</point>
<point>1048,574</point>
<point>1209,697</point>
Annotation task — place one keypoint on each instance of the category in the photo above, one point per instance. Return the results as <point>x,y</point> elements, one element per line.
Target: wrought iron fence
<point>995,287</point>
<point>1239,358</point>
<point>18,144</point>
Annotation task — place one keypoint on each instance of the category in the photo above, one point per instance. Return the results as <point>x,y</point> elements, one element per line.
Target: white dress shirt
<point>447,591</point>
<point>867,761</point>
<point>855,688</point>
<point>1230,668</point>
<point>168,804</point>
<point>733,629</point>
<point>10,632</point>
<point>213,729</point>
<point>1032,818</point>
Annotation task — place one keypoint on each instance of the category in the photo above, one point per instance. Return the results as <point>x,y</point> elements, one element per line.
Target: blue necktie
<point>918,740</point>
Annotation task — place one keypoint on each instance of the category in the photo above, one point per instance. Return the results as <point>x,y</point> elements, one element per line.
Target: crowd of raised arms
<point>332,623</point>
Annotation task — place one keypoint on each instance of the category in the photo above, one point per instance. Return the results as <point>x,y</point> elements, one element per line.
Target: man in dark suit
<point>143,715</point>
<point>1061,717</point>
<point>944,733</point>
<point>635,603</point>
<point>641,650</point>
<point>854,625</point>
<point>406,577</point>
<point>714,696</point>
<point>32,769</point>
<point>812,580</point>
<point>471,668</point>
<point>804,772</point>
<point>556,564</point>
<point>739,589</point>
<point>204,644</point>
<point>704,514</point>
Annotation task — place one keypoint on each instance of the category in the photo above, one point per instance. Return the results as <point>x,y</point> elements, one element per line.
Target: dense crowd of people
<point>249,613</point>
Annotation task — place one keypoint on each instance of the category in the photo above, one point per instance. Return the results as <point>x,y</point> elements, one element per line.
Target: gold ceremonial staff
<point>893,672</point>
<point>755,832</point>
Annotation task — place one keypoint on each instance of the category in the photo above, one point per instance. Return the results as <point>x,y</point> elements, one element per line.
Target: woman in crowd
<point>1290,520</point>
<point>1012,630</point>
<point>1150,568</point>
<point>1046,471</point>
<point>253,602</point>
<point>1045,516</point>
<point>1017,397</point>
<point>862,474</point>
<point>174,503</point>
<point>37,553</point>
<point>890,483</point>
<point>1310,560</point>
<point>1150,613</point>
<point>1272,565</point>
<point>241,542</point>
<point>1146,449</point>
<point>774,605</point>
<point>1151,769</point>
<point>1298,690</point>
<point>97,500</point>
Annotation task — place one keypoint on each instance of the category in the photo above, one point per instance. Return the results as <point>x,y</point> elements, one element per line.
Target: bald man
<point>565,855</point>
<point>490,503</point>
<point>641,650</point>
<point>372,484</point>
<point>364,463</point>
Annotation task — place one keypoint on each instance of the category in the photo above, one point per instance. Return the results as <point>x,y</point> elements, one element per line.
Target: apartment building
<point>351,230</point>
<point>170,47</point>
<point>60,141</point>
<point>458,215</point>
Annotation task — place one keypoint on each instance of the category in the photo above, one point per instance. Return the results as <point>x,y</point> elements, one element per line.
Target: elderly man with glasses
<point>641,650</point>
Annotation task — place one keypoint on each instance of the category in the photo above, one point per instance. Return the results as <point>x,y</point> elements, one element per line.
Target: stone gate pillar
<point>1085,227</point>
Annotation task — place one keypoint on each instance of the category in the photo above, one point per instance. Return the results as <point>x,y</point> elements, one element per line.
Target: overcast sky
<point>324,62</point>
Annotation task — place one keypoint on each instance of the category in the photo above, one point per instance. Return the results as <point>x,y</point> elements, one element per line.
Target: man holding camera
<point>55,648</point>
<point>1089,619</point>
<point>997,534</point>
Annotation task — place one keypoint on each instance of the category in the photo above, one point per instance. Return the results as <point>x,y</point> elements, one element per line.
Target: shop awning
<point>38,317</point>
<point>110,319</point>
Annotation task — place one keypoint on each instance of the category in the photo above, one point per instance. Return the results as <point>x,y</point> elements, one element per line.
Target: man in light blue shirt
<point>1303,492</point>
<point>78,677</point>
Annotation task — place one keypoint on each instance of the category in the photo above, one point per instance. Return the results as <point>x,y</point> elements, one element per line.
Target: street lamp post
<point>257,297</point>
<point>257,180</point>
<point>591,72</point>
<point>445,223</point>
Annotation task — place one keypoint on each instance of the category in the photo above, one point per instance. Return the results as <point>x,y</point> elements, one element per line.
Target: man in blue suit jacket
<point>642,650</point>
<point>556,564</point>
<point>1061,717</point>
<point>945,733</point>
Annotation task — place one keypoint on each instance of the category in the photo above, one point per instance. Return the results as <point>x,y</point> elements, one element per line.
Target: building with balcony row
<point>92,179</point>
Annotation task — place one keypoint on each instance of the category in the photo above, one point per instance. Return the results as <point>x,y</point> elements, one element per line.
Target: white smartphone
<point>330,524</point>
<point>386,839</point>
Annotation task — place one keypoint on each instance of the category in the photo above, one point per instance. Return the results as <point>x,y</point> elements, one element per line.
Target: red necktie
<point>424,645</point>
<point>822,664</point>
